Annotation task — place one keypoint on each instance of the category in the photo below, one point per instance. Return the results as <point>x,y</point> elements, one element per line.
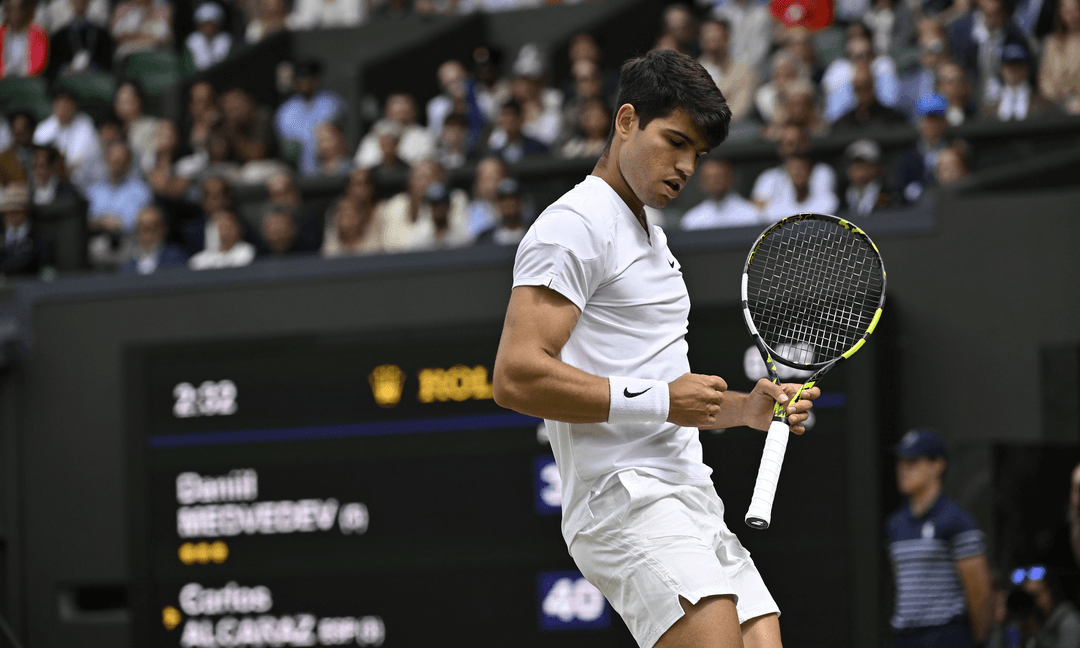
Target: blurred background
<point>256,256</point>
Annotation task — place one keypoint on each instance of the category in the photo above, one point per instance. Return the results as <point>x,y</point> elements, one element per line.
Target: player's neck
<point>921,501</point>
<point>607,169</point>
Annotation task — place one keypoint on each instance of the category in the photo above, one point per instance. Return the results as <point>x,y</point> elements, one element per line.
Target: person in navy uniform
<point>938,554</point>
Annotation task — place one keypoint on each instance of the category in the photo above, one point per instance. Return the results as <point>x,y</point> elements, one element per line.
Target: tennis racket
<point>812,290</point>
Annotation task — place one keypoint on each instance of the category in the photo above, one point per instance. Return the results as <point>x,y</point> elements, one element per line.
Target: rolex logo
<point>386,382</point>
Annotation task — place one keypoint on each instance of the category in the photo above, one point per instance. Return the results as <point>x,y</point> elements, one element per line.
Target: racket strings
<point>812,290</point>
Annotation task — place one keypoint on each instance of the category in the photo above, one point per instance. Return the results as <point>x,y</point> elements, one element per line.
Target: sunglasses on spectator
<point>1036,573</point>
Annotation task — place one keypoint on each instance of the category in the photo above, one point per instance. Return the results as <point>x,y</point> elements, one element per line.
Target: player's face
<point>657,161</point>
<point>914,475</point>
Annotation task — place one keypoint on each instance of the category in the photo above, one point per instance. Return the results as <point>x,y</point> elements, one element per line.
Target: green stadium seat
<point>95,91</point>
<point>25,94</point>
<point>155,71</point>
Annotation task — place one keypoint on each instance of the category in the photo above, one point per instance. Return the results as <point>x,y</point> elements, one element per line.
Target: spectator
<point>584,46</point>
<point>333,152</point>
<point>25,45</point>
<point>72,133</point>
<point>679,24</point>
<point>481,211</point>
<point>208,45</point>
<point>141,26</point>
<point>511,227</point>
<point>203,114</point>
<point>323,14</point>
<point>391,168</point>
<point>407,215</point>
<point>25,250</point>
<point>976,41</point>
<point>953,164</point>
<point>1053,620</point>
<point>297,118</point>
<point>81,44</point>
<point>437,232</point>
<point>285,196</point>
<point>232,251</point>
<point>47,183</point>
<point>415,143</point>
<point>16,162</point>
<point>541,106</point>
<point>866,191</point>
<point>217,195</point>
<point>868,112</point>
<point>58,14</point>
<point>110,131</point>
<point>737,81</point>
<point>938,555</point>
<point>953,85</point>
<point>890,24</point>
<point>1020,99</point>
<point>922,80</point>
<point>278,234</point>
<point>588,86</point>
<point>593,126</point>
<point>453,150</point>
<point>508,141</point>
<point>150,251</point>
<point>775,185</point>
<point>355,225</point>
<point>216,159</point>
<point>799,107</point>
<point>270,18</point>
<point>114,206</point>
<point>787,70</point>
<point>837,82</point>
<point>798,167</point>
<point>799,42</point>
<point>247,127</point>
<point>751,30</point>
<point>458,94</point>
<point>723,206</point>
<point>141,128</point>
<point>163,172</point>
<point>1059,75</point>
<point>916,167</point>
<point>491,88</point>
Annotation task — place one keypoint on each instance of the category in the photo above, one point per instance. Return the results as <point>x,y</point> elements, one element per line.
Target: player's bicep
<point>538,323</point>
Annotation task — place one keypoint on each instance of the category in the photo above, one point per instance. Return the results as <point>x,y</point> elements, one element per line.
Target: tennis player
<point>594,344</point>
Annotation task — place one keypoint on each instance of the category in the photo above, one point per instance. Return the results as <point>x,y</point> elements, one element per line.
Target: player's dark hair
<point>663,81</point>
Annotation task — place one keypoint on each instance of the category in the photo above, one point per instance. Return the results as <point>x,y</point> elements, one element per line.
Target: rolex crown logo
<point>387,382</point>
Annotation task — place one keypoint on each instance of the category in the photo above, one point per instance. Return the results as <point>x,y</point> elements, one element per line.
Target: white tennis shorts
<point>650,542</point>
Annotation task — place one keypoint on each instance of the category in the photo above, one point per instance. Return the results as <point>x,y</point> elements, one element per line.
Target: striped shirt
<point>924,551</point>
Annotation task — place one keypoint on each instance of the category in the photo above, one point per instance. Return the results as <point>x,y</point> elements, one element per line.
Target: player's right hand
<point>694,400</point>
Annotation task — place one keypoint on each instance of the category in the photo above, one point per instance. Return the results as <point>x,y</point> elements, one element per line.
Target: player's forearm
<point>548,388</point>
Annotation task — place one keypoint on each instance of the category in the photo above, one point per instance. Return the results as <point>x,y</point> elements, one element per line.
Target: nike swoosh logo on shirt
<point>626,392</point>
<point>672,263</point>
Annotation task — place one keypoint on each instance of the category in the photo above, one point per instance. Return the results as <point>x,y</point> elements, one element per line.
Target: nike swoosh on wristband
<point>626,392</point>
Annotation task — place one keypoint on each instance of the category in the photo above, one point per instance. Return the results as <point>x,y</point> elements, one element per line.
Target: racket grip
<point>760,513</point>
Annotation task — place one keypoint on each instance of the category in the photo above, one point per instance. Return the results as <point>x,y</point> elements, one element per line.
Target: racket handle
<point>760,513</point>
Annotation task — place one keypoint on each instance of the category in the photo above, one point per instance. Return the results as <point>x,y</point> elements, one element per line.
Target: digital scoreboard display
<point>360,490</point>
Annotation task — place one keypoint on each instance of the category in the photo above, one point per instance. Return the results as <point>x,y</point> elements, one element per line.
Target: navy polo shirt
<point>924,551</point>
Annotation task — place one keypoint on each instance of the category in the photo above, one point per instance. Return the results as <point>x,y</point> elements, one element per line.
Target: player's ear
<point>625,120</point>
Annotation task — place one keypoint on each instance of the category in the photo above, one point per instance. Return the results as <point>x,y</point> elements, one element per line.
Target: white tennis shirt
<point>589,247</point>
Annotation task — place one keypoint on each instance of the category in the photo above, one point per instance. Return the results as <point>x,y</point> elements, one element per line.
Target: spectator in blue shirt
<point>943,580</point>
<point>297,118</point>
<point>114,206</point>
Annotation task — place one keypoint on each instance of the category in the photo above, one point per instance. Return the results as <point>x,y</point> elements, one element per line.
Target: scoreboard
<point>363,490</point>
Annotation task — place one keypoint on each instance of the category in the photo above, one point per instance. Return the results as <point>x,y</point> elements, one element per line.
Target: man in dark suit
<point>508,141</point>
<point>868,111</point>
<point>151,252</point>
<point>1019,98</point>
<point>80,45</point>
<point>977,39</point>
<point>24,251</point>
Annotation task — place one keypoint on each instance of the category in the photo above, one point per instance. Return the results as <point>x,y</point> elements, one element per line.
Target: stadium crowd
<point>160,193</point>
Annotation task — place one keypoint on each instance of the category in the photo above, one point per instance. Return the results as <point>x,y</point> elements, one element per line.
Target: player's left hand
<point>766,394</point>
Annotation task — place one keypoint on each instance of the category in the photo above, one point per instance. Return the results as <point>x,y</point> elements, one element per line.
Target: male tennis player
<point>594,343</point>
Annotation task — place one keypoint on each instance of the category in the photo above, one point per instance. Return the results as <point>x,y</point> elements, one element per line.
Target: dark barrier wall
<point>976,295</point>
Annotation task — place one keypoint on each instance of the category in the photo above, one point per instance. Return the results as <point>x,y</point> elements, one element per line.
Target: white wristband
<point>637,400</point>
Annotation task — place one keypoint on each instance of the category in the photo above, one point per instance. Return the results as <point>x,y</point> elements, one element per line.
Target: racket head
<point>813,288</point>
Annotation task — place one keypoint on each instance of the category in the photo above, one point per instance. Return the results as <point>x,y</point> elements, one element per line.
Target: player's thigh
<point>762,632</point>
<point>712,623</point>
